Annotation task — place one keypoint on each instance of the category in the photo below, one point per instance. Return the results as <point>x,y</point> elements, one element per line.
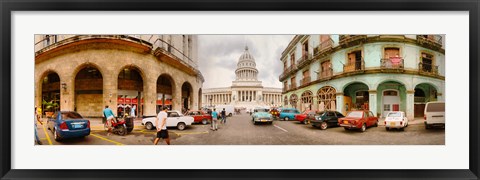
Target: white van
<point>229,109</point>
<point>434,114</point>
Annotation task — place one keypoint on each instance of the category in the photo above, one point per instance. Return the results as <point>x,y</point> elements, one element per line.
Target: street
<point>239,130</point>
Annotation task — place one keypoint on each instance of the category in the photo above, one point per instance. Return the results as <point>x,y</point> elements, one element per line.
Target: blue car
<point>288,113</point>
<point>68,124</point>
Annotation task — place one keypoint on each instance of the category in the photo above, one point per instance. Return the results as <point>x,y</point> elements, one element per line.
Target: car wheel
<point>204,121</point>
<point>122,131</point>
<point>427,126</point>
<point>364,127</point>
<point>181,126</point>
<point>346,129</point>
<point>254,123</point>
<point>314,125</point>
<point>230,115</point>
<point>285,118</point>
<point>149,126</point>
<point>387,128</point>
<point>376,124</point>
<point>56,136</point>
<point>323,126</point>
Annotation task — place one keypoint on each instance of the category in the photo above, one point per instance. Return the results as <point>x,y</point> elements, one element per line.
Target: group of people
<point>216,116</point>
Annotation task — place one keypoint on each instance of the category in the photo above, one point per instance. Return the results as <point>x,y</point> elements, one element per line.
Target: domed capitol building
<point>246,90</point>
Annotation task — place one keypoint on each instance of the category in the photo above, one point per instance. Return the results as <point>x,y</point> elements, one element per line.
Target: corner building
<point>86,72</point>
<point>380,73</point>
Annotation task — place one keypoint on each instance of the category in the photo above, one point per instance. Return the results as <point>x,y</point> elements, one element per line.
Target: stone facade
<point>110,55</point>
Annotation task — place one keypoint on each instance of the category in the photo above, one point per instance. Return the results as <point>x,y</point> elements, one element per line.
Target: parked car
<point>302,117</point>
<point>434,115</point>
<point>174,119</point>
<point>396,119</point>
<point>68,124</point>
<point>288,113</point>
<point>200,117</point>
<point>358,120</point>
<point>261,115</point>
<point>325,119</point>
<point>275,113</point>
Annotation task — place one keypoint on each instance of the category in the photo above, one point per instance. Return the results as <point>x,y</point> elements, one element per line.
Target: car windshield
<point>355,114</point>
<point>394,114</point>
<point>436,107</point>
<point>70,115</point>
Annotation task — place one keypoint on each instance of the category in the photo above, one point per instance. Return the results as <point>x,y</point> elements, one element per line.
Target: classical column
<point>440,96</point>
<point>340,103</point>
<point>372,102</point>
<point>410,104</point>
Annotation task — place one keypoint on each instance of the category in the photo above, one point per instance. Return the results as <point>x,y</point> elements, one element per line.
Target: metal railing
<point>305,80</point>
<point>324,46</point>
<point>427,68</point>
<point>356,66</point>
<point>326,73</point>
<point>305,59</point>
<point>392,63</point>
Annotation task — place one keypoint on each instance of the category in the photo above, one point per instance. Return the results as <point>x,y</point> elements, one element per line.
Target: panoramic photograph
<point>192,89</point>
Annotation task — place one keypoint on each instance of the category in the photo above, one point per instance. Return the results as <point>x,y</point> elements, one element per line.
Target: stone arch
<point>199,98</point>
<point>356,96</point>
<point>307,100</point>
<point>429,83</point>
<point>165,91</point>
<point>428,93</point>
<point>293,100</point>
<point>406,85</point>
<point>353,82</point>
<point>88,87</point>
<point>131,90</point>
<point>392,96</point>
<point>79,67</point>
<point>50,92</point>
<point>327,98</point>
<point>187,95</point>
<point>134,66</point>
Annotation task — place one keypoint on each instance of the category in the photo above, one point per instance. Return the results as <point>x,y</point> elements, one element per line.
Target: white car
<point>396,119</point>
<point>434,115</point>
<point>174,119</point>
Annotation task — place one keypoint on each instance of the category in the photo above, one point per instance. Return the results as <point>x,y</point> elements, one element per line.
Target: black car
<point>325,119</point>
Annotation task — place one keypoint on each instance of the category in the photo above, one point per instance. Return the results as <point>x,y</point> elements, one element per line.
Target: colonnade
<point>247,74</point>
<point>218,98</point>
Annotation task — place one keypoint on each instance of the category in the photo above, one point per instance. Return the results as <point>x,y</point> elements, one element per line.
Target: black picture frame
<point>8,6</point>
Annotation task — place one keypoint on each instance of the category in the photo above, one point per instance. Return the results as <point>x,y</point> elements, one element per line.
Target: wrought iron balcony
<point>352,39</point>
<point>392,63</point>
<point>305,80</point>
<point>287,72</point>
<point>429,69</point>
<point>430,40</point>
<point>324,46</point>
<point>326,73</point>
<point>354,67</point>
<point>304,60</point>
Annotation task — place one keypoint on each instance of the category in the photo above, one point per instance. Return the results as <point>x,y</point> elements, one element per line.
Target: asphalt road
<point>239,130</point>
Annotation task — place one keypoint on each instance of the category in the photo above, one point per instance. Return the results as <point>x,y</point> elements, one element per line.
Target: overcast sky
<point>218,56</point>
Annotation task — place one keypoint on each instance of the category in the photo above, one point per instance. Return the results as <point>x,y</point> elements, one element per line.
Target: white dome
<point>246,56</point>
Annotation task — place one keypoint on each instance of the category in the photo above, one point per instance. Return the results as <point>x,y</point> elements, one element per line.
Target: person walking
<point>108,113</point>
<point>37,119</point>
<point>224,116</point>
<point>161,125</point>
<point>132,111</point>
<point>214,120</point>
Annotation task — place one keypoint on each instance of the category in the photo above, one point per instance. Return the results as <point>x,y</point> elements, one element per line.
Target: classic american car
<point>262,115</point>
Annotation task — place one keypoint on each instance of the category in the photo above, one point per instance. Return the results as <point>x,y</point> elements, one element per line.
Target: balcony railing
<point>351,39</point>
<point>392,63</point>
<point>425,68</point>
<point>326,73</point>
<point>434,41</point>
<point>305,59</point>
<point>356,66</point>
<point>324,47</point>
<point>305,80</point>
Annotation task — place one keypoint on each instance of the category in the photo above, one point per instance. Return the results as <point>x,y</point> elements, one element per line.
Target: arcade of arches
<point>388,96</point>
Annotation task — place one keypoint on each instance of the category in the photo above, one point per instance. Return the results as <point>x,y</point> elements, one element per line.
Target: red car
<point>275,113</point>
<point>302,117</point>
<point>358,120</point>
<point>200,117</point>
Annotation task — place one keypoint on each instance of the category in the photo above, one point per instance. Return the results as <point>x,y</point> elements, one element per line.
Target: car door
<point>329,117</point>
<point>372,118</point>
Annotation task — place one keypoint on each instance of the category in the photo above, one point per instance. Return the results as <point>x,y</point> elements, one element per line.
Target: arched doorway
<point>356,97</point>
<point>327,98</point>
<point>293,100</point>
<point>164,92</point>
<point>130,92</point>
<point>89,92</point>
<point>307,99</point>
<point>285,101</point>
<point>423,93</point>
<point>392,97</point>
<point>200,98</point>
<point>50,93</point>
<point>187,92</point>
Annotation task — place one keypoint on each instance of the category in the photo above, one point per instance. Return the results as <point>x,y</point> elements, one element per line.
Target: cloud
<point>218,56</point>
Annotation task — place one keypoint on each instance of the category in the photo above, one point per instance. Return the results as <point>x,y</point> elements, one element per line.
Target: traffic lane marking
<point>46,134</point>
<point>106,139</point>
<point>280,128</point>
